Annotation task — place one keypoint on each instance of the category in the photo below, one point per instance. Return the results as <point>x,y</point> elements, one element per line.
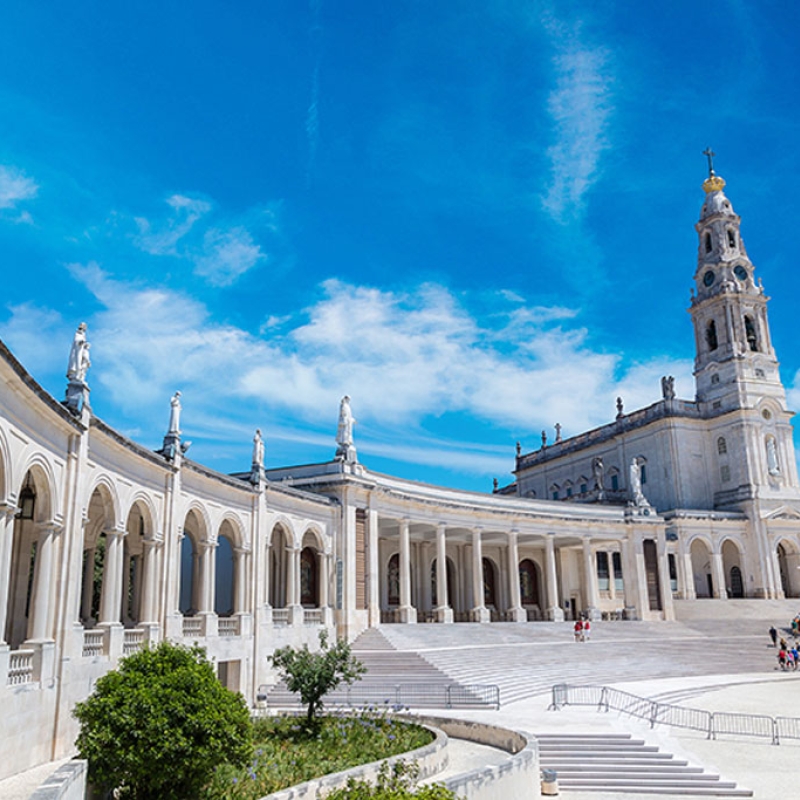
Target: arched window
<point>708,243</point>
<point>614,474</point>
<point>750,333</point>
<point>722,445</point>
<point>554,491</point>
<point>711,335</point>
<point>731,238</point>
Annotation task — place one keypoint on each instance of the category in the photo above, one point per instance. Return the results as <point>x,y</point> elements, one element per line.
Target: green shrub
<point>393,783</point>
<point>313,675</point>
<point>159,725</point>
<point>288,753</point>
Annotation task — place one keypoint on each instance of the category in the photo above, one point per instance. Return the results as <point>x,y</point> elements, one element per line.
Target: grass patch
<point>288,752</point>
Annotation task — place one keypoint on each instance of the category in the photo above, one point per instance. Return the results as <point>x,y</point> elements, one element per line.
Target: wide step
<point>620,763</point>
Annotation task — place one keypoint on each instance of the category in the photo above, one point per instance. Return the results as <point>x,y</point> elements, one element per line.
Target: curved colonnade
<point>106,546</point>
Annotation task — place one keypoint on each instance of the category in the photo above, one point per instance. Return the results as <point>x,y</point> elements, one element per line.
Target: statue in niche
<point>258,449</point>
<point>597,473</point>
<point>79,361</point>
<point>175,414</point>
<point>773,467</point>
<point>635,477</point>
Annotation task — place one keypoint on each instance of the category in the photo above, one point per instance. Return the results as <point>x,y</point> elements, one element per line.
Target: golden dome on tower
<point>713,183</point>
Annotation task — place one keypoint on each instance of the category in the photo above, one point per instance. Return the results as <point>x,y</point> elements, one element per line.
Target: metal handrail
<point>394,696</point>
<point>713,724</point>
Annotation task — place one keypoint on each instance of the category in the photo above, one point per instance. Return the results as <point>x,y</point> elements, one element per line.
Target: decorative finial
<point>620,408</point>
<point>544,438</point>
<point>713,183</point>
<point>495,483</point>
<point>519,449</point>
<point>558,432</point>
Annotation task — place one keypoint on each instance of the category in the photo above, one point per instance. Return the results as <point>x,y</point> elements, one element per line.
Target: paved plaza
<point>725,664</point>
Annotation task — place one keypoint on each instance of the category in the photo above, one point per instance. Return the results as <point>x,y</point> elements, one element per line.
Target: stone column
<point>322,569</point>
<point>591,592</point>
<point>111,591</point>
<point>663,578</point>
<point>630,581</point>
<point>554,611</point>
<point>373,568</point>
<point>718,576</point>
<point>42,584</point>
<point>612,576</point>
<point>406,611</point>
<point>516,613</point>
<point>689,591</point>
<point>7,514</point>
<point>149,583</point>
<point>444,613</point>
<point>239,580</point>
<point>267,574</point>
<point>87,587</point>
<point>479,611</point>
<point>126,587</point>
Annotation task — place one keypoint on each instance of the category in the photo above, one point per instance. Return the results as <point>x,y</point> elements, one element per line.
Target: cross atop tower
<point>709,154</point>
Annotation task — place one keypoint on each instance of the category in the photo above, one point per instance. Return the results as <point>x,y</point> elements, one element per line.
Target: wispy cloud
<point>227,254</point>
<point>580,106</point>
<point>164,239</point>
<point>220,253</point>
<point>16,187</point>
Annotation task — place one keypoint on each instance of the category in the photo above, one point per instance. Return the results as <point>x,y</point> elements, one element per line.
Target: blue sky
<point>474,218</point>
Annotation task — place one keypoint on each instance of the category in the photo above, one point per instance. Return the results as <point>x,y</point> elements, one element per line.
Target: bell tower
<point>735,363</point>
<point>738,384</point>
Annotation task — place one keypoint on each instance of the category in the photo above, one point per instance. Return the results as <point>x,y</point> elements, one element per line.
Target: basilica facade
<point>106,546</point>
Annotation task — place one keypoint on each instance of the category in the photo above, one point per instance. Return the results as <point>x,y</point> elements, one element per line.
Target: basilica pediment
<point>785,512</point>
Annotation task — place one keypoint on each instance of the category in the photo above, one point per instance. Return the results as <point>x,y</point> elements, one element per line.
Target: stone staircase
<point>618,763</point>
<point>526,660</point>
<point>386,669</point>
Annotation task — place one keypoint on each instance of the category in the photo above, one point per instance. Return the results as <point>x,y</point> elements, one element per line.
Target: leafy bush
<point>159,725</point>
<point>287,753</point>
<point>313,675</point>
<point>393,783</point>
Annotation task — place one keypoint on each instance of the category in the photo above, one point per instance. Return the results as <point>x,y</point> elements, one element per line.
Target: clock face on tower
<point>708,278</point>
<point>740,272</point>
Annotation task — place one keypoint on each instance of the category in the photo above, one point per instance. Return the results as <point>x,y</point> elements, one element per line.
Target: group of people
<point>582,630</point>
<point>788,657</point>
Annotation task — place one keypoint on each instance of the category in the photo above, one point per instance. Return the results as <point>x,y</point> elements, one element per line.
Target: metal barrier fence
<point>713,724</point>
<point>395,695</point>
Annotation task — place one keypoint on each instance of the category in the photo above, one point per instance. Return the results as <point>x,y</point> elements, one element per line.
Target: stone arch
<point>314,536</point>
<point>34,496</point>
<point>139,526</point>
<point>700,550</point>
<point>290,534</point>
<point>236,529</point>
<point>530,583</point>
<point>147,510</point>
<point>732,566</point>
<point>104,487</point>
<point>788,555</point>
<point>45,487</point>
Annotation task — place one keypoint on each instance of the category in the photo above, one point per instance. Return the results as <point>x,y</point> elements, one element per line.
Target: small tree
<point>313,675</point>
<point>159,725</point>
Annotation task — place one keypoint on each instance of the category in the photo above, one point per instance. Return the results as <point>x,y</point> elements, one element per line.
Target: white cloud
<point>404,358</point>
<point>227,254</point>
<point>15,186</point>
<point>162,242</point>
<point>580,107</point>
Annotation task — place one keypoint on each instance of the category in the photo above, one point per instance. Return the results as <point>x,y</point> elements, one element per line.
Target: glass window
<point>722,445</point>
<point>614,482</point>
<point>616,561</point>
<point>673,572</point>
<point>602,570</point>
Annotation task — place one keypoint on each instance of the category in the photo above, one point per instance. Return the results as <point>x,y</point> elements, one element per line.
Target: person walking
<point>578,629</point>
<point>773,634</point>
